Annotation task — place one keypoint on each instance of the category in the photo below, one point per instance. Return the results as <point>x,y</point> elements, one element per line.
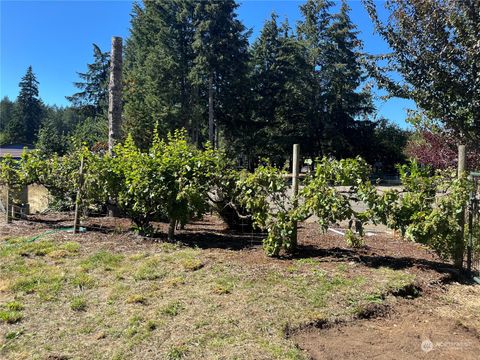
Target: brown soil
<point>413,330</point>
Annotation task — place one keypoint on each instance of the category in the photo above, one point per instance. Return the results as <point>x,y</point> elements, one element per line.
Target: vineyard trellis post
<point>460,244</point>
<point>295,179</point>
<point>76,223</point>
<point>8,213</point>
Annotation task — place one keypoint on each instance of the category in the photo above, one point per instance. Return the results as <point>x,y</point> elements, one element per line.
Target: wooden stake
<point>295,172</point>
<point>76,223</point>
<point>460,244</point>
<point>8,211</point>
<point>461,161</point>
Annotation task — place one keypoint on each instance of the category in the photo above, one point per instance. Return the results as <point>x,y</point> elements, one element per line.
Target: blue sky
<point>56,37</point>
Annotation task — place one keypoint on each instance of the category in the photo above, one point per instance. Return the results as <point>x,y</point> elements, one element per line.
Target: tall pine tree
<point>281,86</point>
<point>181,56</point>
<point>28,111</point>
<point>92,99</point>
<point>158,59</point>
<point>334,55</point>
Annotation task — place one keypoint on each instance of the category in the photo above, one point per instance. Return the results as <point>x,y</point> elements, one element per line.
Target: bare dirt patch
<point>410,331</point>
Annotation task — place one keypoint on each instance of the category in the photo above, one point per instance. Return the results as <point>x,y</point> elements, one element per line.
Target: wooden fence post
<point>460,244</point>
<point>76,223</point>
<point>295,172</point>
<point>8,211</point>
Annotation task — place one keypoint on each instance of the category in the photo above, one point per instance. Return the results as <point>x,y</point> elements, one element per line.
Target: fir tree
<point>281,90</point>
<point>92,99</point>
<point>28,111</point>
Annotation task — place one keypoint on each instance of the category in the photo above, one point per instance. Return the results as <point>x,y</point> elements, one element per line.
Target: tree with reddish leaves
<point>438,148</point>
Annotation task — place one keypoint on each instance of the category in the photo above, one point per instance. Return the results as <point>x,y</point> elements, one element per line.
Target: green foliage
<point>331,204</point>
<point>434,48</point>
<point>10,316</point>
<point>264,195</point>
<point>173,178</point>
<point>23,126</point>
<point>92,98</point>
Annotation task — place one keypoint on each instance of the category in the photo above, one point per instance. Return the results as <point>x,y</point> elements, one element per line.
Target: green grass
<point>78,303</point>
<point>150,269</point>
<point>103,260</point>
<point>172,301</point>
<point>172,309</point>
<point>10,317</point>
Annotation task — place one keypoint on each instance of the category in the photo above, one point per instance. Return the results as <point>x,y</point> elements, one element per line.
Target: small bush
<point>353,240</point>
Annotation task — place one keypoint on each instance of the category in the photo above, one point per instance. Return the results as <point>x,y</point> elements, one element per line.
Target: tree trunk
<point>115,94</point>
<point>211,121</point>
<point>114,105</point>
<point>171,229</point>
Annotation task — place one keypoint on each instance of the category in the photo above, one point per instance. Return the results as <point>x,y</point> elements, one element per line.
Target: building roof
<point>14,150</point>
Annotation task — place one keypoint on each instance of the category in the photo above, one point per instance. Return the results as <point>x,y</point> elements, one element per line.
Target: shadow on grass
<point>204,235</point>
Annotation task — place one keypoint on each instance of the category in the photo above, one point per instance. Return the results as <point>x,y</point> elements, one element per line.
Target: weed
<point>172,309</point>
<point>151,325</point>
<point>12,335</point>
<point>191,264</point>
<point>136,299</point>
<point>176,352</point>
<point>353,240</point>
<point>223,286</point>
<point>102,259</point>
<point>78,303</point>
<point>149,270</point>
<point>14,306</point>
<point>83,281</point>
<point>10,317</point>
<point>71,246</point>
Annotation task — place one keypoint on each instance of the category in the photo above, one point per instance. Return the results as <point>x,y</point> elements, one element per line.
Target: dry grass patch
<point>172,301</point>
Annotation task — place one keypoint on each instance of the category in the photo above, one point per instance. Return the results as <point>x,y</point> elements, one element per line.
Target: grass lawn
<point>61,297</point>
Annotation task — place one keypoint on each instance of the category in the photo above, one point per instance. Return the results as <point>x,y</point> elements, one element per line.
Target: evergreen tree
<point>7,113</point>
<point>158,60</point>
<point>182,54</point>
<point>28,111</point>
<point>281,85</point>
<point>313,32</point>
<point>435,48</point>
<point>334,56</point>
<point>344,74</point>
<point>92,99</point>
<point>221,51</point>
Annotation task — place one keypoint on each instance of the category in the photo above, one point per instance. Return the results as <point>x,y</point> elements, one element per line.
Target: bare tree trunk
<point>115,94</point>
<point>211,120</point>
<point>114,105</point>
<point>171,229</point>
